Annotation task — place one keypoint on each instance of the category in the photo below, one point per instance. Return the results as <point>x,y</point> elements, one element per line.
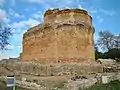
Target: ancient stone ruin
<point>64,36</point>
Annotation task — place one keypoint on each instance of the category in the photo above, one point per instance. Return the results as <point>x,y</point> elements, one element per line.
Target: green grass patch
<point>113,85</point>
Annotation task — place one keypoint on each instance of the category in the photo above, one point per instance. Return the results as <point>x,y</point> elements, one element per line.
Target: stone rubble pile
<point>30,85</point>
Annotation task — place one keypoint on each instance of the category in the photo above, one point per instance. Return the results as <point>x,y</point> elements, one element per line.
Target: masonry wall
<point>62,40</point>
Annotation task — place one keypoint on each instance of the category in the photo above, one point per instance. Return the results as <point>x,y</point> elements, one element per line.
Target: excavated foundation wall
<point>31,68</point>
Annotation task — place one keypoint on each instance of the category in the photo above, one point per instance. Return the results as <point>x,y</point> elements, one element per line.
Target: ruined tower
<point>64,36</point>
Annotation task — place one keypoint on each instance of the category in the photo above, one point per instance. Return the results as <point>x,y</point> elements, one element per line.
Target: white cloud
<point>22,26</point>
<point>28,23</point>
<point>57,3</point>
<point>100,19</point>
<point>38,16</point>
<point>65,3</point>
<point>110,13</point>
<point>4,56</point>
<point>2,14</point>
<point>15,14</point>
<point>80,6</point>
<point>1,2</point>
<point>93,11</point>
<point>7,20</point>
<point>19,15</point>
<point>34,1</point>
<point>9,47</point>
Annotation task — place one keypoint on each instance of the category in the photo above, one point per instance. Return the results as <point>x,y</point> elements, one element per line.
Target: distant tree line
<point>109,45</point>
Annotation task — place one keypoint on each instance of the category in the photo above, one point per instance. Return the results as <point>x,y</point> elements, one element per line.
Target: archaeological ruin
<point>64,36</point>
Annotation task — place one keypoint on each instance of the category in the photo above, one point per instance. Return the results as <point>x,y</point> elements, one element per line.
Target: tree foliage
<point>113,54</point>
<point>110,43</point>
<point>5,33</point>
<point>105,40</point>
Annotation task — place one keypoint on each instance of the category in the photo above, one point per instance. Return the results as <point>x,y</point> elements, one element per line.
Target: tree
<point>111,43</point>
<point>105,40</point>
<point>5,33</point>
<point>113,54</point>
<point>97,53</point>
<point>117,41</point>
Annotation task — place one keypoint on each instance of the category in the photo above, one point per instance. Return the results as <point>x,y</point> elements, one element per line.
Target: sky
<point>23,14</point>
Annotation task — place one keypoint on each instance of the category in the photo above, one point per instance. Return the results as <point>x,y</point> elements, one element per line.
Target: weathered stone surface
<point>65,36</point>
<point>37,69</point>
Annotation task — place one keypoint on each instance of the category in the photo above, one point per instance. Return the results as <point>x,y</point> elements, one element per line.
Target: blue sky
<point>22,14</point>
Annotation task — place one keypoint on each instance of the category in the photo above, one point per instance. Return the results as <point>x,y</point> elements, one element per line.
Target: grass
<point>113,85</point>
<point>17,88</point>
<point>60,85</point>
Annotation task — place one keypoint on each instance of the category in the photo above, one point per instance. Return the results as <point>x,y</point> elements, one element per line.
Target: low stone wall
<point>52,70</point>
<point>81,84</point>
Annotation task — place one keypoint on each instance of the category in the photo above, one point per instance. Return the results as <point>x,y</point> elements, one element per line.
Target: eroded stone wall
<point>65,36</point>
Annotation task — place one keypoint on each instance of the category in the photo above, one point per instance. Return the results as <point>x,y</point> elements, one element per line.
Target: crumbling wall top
<point>56,15</point>
<point>86,20</point>
<point>57,11</point>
